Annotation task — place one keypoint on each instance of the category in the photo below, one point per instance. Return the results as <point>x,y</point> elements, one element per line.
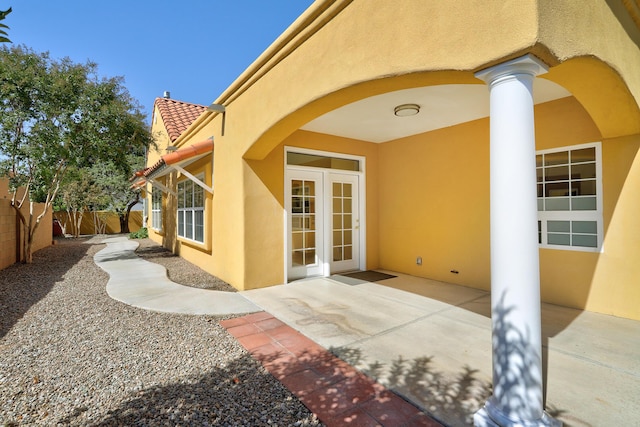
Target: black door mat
<point>360,277</point>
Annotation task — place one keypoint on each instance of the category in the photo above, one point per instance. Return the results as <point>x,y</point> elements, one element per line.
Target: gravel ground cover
<point>70,355</point>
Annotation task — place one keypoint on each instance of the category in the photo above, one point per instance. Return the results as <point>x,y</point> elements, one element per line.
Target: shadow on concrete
<point>23,285</point>
<point>553,323</point>
<point>453,398</point>
<point>450,398</point>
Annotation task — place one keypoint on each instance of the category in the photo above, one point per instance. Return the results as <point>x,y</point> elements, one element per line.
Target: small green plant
<point>142,233</point>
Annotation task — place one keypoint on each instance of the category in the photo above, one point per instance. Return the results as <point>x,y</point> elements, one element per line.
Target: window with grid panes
<point>570,197</point>
<point>156,209</point>
<point>191,211</point>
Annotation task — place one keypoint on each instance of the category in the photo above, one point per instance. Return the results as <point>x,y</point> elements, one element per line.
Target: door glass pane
<point>347,253</point>
<point>296,223</point>
<point>337,253</point>
<point>337,189</point>
<point>337,222</point>
<point>309,205</point>
<point>337,205</point>
<point>342,205</point>
<point>346,205</point>
<point>310,240</point>
<point>309,257</point>
<point>296,187</point>
<point>337,238</point>
<point>297,258</point>
<point>347,221</point>
<point>309,188</point>
<point>303,223</point>
<point>348,190</point>
<point>296,204</point>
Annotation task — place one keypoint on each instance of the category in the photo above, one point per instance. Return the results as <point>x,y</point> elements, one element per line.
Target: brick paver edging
<point>332,389</point>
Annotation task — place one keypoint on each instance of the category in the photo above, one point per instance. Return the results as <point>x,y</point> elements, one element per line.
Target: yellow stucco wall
<point>112,222</point>
<point>434,204</point>
<point>162,140</point>
<point>8,236</point>
<point>375,46</point>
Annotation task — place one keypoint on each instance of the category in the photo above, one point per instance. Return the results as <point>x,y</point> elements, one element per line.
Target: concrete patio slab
<point>433,345</point>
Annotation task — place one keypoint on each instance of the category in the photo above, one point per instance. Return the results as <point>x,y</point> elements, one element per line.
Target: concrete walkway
<point>143,284</point>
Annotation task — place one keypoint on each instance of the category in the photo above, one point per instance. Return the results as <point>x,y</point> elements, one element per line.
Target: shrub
<point>142,233</point>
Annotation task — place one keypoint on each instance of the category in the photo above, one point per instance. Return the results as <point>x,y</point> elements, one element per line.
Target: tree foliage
<point>56,115</point>
<point>113,181</point>
<point>78,193</point>
<point>4,37</point>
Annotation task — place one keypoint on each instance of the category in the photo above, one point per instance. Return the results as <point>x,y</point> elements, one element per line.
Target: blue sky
<point>193,48</point>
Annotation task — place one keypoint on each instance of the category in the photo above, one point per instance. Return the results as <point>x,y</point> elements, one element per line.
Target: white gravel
<point>70,355</point>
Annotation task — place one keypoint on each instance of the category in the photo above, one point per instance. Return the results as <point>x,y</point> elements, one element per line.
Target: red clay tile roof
<point>177,115</point>
<point>182,154</point>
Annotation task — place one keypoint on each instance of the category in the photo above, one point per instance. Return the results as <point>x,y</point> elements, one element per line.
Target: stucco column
<point>515,278</point>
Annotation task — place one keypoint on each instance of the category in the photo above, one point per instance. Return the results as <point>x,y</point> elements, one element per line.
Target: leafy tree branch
<point>56,116</point>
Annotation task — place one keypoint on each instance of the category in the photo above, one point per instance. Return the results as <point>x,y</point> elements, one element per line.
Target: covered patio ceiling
<point>373,119</point>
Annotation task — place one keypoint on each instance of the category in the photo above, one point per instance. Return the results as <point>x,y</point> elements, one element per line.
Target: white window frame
<point>193,210</point>
<point>578,215</point>
<point>156,209</point>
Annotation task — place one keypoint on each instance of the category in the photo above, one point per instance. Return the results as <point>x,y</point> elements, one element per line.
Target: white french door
<point>345,222</point>
<point>306,224</point>
<point>323,222</point>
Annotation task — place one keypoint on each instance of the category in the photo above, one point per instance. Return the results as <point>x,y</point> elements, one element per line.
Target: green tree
<point>3,34</point>
<point>113,181</point>
<point>78,194</point>
<point>54,115</point>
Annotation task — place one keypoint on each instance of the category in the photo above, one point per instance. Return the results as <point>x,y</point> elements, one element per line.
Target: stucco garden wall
<point>112,222</point>
<point>9,222</point>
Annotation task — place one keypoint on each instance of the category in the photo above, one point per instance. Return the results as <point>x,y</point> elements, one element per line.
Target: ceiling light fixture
<point>406,110</point>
